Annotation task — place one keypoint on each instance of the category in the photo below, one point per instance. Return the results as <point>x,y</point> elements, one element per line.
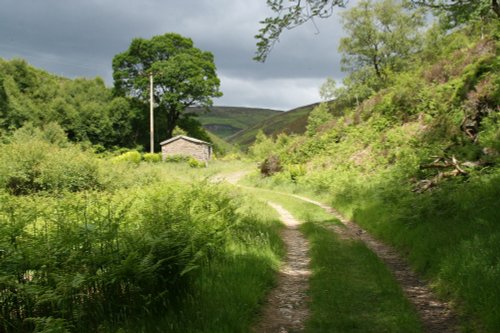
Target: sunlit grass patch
<point>352,290</point>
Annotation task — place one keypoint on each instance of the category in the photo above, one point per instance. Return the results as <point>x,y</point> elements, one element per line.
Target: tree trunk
<point>375,60</point>
<point>495,6</point>
<point>172,117</point>
<point>377,69</point>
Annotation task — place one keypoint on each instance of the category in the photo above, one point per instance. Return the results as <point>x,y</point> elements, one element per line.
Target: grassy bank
<point>451,235</point>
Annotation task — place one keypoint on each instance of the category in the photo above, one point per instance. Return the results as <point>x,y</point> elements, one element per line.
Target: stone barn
<point>186,146</point>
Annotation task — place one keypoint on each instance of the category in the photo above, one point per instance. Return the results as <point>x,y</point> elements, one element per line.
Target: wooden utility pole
<point>151,120</point>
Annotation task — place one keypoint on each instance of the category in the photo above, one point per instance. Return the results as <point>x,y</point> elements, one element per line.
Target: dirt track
<point>436,316</point>
<point>286,308</point>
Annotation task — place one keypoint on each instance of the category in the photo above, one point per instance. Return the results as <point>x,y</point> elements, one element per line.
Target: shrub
<point>69,169</point>
<point>99,149</point>
<point>231,157</point>
<point>194,163</point>
<point>270,166</point>
<point>31,165</point>
<point>152,157</point>
<point>131,156</point>
<point>176,158</point>
<point>295,171</point>
<point>262,147</point>
<point>318,116</point>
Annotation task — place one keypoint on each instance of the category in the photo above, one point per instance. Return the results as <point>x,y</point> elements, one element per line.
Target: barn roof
<point>175,138</point>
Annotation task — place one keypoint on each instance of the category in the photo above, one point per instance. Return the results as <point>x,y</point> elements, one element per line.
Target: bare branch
<point>289,17</point>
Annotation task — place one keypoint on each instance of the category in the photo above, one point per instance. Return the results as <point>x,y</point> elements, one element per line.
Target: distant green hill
<point>293,121</point>
<point>222,146</point>
<point>225,121</point>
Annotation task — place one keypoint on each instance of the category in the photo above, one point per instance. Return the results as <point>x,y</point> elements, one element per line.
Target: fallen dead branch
<point>457,168</point>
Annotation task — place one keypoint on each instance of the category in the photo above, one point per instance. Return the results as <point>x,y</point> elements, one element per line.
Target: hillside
<point>416,163</point>
<point>85,108</point>
<point>293,121</point>
<point>225,121</point>
<point>221,146</point>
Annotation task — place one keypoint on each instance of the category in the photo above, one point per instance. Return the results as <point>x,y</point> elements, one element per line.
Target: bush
<point>176,158</point>
<point>318,116</point>
<point>130,156</point>
<point>295,171</point>
<point>194,163</point>
<point>30,164</point>
<point>262,147</point>
<point>152,157</point>
<point>231,157</point>
<point>270,166</point>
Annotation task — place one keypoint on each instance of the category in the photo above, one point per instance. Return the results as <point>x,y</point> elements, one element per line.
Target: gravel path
<point>286,308</point>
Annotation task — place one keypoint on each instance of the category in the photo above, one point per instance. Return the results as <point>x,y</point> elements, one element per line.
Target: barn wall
<point>184,147</point>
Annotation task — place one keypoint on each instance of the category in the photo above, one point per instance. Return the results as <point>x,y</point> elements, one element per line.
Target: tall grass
<point>227,293</point>
<point>451,235</point>
<point>132,245</point>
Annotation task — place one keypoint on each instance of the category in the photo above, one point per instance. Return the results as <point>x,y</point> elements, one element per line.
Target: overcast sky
<point>79,38</point>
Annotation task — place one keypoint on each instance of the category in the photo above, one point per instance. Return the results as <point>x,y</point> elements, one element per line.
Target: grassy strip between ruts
<point>351,289</point>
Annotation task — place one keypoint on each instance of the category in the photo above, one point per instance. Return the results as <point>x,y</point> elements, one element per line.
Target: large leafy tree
<point>184,75</point>
<point>381,35</point>
<point>381,39</point>
<point>291,13</point>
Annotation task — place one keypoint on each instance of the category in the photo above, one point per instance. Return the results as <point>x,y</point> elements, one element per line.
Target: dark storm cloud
<point>80,38</point>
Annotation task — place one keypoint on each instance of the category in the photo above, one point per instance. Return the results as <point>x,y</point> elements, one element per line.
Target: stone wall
<point>199,151</point>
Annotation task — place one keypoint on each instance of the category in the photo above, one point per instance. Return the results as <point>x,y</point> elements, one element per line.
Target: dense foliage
<point>417,164</point>
<point>90,244</point>
<point>84,108</point>
<point>459,12</point>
